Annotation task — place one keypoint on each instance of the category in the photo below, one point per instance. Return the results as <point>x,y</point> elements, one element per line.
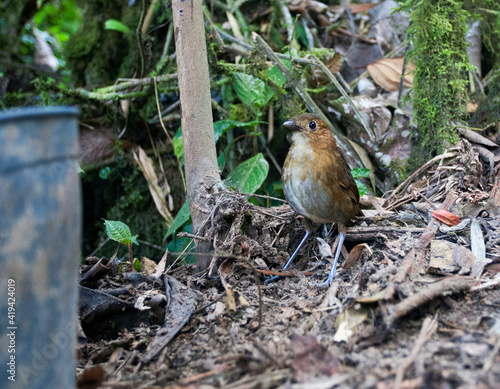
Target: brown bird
<point>317,182</point>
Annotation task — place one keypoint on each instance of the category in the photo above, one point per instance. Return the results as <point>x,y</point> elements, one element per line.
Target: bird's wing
<point>348,184</point>
<point>346,181</point>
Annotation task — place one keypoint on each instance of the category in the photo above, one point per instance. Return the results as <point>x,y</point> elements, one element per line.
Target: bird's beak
<point>290,124</point>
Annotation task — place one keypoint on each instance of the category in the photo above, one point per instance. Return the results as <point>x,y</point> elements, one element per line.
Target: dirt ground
<point>415,305</point>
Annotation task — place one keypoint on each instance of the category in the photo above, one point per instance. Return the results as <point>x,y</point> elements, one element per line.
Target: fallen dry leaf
<point>445,217</point>
<point>90,378</point>
<point>333,64</point>
<point>386,72</point>
<point>158,192</point>
<point>494,267</point>
<point>311,359</point>
<point>464,258</point>
<point>356,8</point>
<point>354,256</point>
<point>348,321</point>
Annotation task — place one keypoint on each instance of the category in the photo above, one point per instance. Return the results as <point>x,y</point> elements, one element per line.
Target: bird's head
<point>308,127</point>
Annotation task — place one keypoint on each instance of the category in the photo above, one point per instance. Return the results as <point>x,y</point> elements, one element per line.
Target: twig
<point>488,363</point>
<point>247,49</point>
<point>405,267</point>
<point>192,236</point>
<point>179,256</point>
<point>488,283</point>
<point>332,78</point>
<point>168,135</point>
<point>99,247</point>
<point>351,24</point>
<point>429,327</point>
<point>150,244</point>
<point>415,174</point>
<point>287,16</point>
<point>213,31</point>
<point>139,38</point>
<point>401,80</point>
<point>375,229</point>
<point>168,41</point>
<point>201,376</point>
<point>446,286</point>
<point>433,225</point>
<point>134,82</point>
<point>270,154</point>
<point>148,17</point>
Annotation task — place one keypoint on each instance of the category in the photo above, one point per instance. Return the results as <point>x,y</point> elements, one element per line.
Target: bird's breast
<point>311,185</point>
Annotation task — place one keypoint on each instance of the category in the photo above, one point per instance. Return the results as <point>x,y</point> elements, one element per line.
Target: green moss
<point>96,56</point>
<point>438,33</point>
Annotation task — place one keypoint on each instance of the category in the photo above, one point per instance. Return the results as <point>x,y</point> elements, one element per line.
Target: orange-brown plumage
<point>316,180</point>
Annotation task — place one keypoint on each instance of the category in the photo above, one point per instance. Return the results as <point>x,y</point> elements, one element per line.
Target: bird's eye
<point>312,125</point>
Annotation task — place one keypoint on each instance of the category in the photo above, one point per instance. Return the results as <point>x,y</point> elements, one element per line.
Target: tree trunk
<point>200,158</point>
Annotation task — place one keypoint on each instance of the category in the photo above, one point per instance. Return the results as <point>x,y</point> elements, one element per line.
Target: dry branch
<point>445,286</point>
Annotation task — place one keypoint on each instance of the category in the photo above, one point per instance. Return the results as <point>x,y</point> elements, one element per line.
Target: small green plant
<point>120,232</point>
<point>361,173</point>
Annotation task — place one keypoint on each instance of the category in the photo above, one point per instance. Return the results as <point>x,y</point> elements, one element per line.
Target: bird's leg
<point>332,274</point>
<point>309,228</point>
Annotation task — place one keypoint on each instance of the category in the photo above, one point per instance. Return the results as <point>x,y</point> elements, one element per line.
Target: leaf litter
<point>395,316</point>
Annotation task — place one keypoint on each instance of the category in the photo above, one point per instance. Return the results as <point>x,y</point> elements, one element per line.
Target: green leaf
<point>120,232</point>
<point>222,126</point>
<point>178,146</point>
<point>180,219</point>
<point>105,172</point>
<point>220,129</point>
<point>221,161</point>
<point>113,24</point>
<point>360,172</point>
<point>276,76</point>
<point>362,189</point>
<point>248,176</point>
<point>178,245</point>
<point>252,91</point>
<point>137,265</point>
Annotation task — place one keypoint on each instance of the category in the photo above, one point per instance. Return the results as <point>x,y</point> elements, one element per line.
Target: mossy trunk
<point>438,32</point>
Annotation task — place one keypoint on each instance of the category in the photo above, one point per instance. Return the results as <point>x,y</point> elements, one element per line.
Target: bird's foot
<point>328,281</point>
<point>271,279</point>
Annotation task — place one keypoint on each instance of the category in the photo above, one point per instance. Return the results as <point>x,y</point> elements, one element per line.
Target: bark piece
<point>182,304</point>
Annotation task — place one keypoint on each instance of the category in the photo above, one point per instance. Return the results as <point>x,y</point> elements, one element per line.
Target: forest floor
<point>416,303</point>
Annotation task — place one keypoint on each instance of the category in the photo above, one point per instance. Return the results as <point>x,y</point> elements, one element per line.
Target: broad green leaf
<point>222,126</point>
<point>300,32</point>
<point>248,176</point>
<point>178,245</point>
<point>221,161</point>
<point>360,172</point>
<point>113,24</point>
<point>362,189</point>
<point>180,219</point>
<point>252,91</point>
<point>220,129</point>
<point>276,76</point>
<point>120,232</point>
